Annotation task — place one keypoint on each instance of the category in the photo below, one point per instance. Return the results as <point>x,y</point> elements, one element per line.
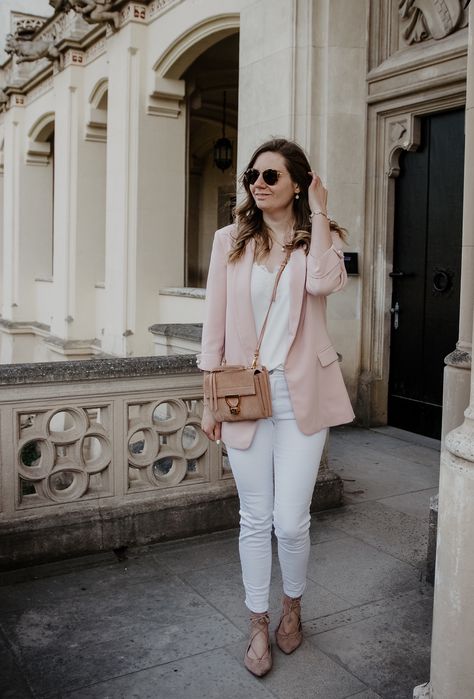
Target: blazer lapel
<point>244,318</point>
<point>297,269</point>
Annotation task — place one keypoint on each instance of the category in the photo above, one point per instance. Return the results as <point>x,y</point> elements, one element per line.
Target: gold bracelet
<point>319,213</point>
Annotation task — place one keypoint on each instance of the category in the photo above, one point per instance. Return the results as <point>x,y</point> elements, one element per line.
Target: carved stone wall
<point>401,25</point>
<point>418,52</point>
<point>431,19</point>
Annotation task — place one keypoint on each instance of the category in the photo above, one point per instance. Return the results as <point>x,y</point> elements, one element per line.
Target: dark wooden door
<point>426,273</point>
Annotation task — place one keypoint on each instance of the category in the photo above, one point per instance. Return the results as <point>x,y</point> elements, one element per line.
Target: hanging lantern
<point>223,147</point>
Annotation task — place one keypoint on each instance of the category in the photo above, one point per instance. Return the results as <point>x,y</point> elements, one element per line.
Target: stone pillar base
<point>328,491</point>
<point>423,691</point>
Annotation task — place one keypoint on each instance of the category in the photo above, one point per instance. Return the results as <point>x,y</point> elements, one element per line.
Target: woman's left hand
<point>317,194</point>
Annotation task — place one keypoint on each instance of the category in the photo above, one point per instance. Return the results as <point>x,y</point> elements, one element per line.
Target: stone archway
<point>96,117</point>
<point>39,149</point>
<point>211,81</point>
<point>175,95</point>
<point>40,155</point>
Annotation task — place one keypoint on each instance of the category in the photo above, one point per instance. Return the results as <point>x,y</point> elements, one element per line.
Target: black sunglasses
<point>269,176</point>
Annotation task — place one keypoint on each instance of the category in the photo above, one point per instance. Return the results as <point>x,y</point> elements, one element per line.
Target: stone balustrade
<point>102,454</point>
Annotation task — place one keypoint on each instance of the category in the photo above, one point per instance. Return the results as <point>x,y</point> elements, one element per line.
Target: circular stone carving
<point>95,452</point>
<point>169,415</point>
<point>31,468</point>
<point>142,444</point>
<point>162,473</point>
<point>199,444</point>
<point>65,483</point>
<point>75,422</point>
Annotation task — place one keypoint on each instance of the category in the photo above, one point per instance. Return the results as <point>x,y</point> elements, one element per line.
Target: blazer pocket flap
<point>327,355</point>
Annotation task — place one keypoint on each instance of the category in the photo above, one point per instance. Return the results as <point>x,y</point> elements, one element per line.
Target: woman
<point>275,461</point>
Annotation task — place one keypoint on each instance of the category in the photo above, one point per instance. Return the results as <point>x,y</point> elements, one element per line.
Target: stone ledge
<point>23,326</point>
<point>183,331</point>
<point>93,369</point>
<point>184,291</point>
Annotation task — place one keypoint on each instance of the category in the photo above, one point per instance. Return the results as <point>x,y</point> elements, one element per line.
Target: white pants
<point>275,479</point>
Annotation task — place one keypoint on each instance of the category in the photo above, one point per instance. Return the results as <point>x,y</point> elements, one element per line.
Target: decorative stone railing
<point>102,454</point>
<point>105,452</point>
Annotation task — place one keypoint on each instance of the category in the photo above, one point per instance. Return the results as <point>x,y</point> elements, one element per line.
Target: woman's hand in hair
<point>317,194</point>
<point>210,426</point>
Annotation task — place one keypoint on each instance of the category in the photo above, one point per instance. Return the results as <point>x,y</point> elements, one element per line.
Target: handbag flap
<point>235,383</point>
<point>232,382</point>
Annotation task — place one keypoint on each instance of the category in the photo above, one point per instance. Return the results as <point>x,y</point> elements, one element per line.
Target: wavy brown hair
<point>249,218</point>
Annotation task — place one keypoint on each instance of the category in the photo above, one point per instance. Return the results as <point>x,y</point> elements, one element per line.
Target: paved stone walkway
<point>168,622</point>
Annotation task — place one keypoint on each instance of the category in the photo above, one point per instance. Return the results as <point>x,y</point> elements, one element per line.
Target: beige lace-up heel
<point>289,632</point>
<point>259,664</point>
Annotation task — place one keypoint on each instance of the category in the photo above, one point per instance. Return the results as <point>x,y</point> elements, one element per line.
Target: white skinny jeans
<point>275,479</point>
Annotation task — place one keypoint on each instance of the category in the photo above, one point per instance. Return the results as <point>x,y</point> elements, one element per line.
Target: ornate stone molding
<point>403,133</point>
<point>394,127</point>
<point>17,101</point>
<point>97,49</point>
<point>38,153</point>
<point>431,19</point>
<point>157,7</point>
<point>20,20</point>
<point>26,47</point>
<point>166,98</point>
<point>133,12</point>
<point>73,57</point>
<point>92,11</point>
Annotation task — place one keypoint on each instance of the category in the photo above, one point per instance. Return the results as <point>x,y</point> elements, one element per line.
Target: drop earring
<point>297,196</point>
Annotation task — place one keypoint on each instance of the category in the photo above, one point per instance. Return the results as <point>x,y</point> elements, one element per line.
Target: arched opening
<point>40,154</point>
<point>96,123</point>
<point>211,109</point>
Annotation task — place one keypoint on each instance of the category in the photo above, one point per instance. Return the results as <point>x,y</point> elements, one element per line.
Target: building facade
<point>110,192</point>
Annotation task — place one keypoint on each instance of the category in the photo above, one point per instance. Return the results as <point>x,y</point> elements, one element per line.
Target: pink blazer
<point>315,382</point>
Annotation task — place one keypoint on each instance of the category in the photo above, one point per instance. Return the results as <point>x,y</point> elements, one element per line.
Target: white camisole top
<point>275,340</point>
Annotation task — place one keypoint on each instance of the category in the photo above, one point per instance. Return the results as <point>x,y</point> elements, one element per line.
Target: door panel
<point>426,272</point>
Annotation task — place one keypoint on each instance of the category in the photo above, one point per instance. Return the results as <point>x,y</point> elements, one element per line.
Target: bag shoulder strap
<point>262,331</point>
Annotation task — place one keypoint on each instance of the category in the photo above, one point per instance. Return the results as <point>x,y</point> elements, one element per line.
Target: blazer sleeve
<point>213,329</point>
<point>326,273</point>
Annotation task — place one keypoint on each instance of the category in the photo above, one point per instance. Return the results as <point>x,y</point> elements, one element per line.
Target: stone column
<point>291,86</point>
<point>452,649</point>
<point>145,196</point>
<point>458,363</point>
<point>79,220</point>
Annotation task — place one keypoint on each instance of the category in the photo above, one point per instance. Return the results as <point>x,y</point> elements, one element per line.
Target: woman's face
<point>276,197</point>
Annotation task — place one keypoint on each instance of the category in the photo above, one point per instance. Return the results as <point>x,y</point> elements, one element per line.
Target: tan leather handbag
<point>233,392</point>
